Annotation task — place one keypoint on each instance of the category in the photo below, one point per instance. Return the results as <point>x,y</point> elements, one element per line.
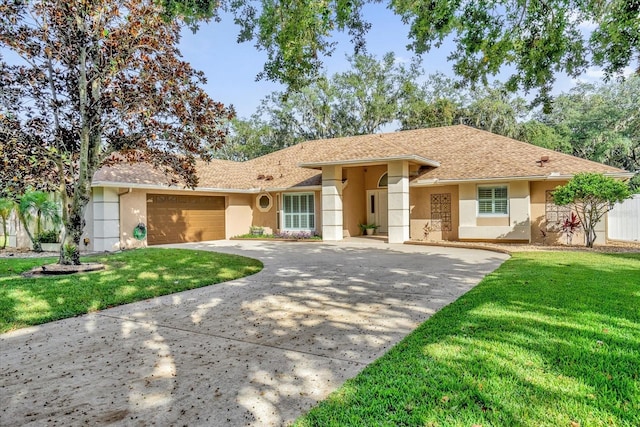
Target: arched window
<point>384,180</point>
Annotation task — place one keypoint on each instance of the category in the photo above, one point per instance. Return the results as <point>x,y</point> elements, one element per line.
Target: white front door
<point>377,209</point>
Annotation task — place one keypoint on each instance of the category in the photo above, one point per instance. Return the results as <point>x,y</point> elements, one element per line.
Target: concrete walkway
<point>257,351</point>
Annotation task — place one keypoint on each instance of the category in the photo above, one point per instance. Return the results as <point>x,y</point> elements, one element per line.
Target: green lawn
<point>129,276</point>
<point>548,339</point>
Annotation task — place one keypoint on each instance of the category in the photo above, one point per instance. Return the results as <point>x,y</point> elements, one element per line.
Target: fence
<point>624,220</point>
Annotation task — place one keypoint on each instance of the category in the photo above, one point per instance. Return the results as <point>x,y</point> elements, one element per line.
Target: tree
<point>26,162</point>
<point>37,206</point>
<point>370,94</point>
<point>6,207</point>
<point>98,78</point>
<point>543,135</point>
<point>495,110</point>
<point>591,196</point>
<point>600,122</point>
<point>361,100</point>
<point>538,39</point>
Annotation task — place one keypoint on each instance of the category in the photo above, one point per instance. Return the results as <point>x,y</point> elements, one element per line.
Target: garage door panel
<point>178,218</point>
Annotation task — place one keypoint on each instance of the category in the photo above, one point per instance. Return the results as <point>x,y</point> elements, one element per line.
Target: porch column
<point>398,201</point>
<point>332,203</point>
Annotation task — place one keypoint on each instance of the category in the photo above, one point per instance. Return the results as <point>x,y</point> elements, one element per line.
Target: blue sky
<point>231,68</point>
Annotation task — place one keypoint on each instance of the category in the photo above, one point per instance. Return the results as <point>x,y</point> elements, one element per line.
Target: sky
<point>231,68</point>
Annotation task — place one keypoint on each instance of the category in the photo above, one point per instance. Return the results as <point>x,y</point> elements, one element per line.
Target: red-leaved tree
<point>100,77</point>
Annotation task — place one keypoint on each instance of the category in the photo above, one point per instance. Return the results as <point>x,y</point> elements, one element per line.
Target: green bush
<point>51,236</point>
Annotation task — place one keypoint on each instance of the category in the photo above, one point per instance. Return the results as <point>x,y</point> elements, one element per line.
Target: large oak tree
<point>539,39</point>
<point>99,77</point>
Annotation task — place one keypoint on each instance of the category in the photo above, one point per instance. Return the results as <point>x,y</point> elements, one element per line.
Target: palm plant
<point>37,205</point>
<point>6,207</point>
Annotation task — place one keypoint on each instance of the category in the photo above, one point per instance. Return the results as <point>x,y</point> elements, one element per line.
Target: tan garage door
<point>177,219</point>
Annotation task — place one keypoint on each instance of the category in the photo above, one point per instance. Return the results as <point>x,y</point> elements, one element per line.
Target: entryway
<point>377,209</point>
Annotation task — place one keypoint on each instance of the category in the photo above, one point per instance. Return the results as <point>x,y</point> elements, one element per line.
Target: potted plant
<point>368,229</point>
<point>256,231</point>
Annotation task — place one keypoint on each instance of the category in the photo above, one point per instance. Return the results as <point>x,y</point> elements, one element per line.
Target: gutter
<point>114,184</point>
<point>554,176</point>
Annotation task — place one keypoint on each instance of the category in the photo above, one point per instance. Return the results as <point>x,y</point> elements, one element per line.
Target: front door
<point>377,209</point>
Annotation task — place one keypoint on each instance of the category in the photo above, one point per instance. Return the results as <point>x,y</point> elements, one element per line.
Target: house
<point>452,183</point>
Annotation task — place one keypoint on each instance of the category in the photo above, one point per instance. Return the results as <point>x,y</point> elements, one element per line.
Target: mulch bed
<point>59,269</point>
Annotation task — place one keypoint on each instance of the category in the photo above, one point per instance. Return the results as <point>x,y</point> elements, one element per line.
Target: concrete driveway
<point>257,351</point>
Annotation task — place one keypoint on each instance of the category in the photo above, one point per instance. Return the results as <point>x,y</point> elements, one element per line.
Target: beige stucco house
<point>450,183</point>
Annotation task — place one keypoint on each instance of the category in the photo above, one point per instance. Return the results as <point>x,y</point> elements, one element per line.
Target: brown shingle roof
<point>462,152</point>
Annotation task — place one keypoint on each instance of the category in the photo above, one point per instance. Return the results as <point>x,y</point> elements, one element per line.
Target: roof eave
<point>554,176</point>
<point>115,184</point>
<point>423,161</point>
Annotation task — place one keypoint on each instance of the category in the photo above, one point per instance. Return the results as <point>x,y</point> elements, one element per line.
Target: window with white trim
<point>493,200</point>
<point>298,212</point>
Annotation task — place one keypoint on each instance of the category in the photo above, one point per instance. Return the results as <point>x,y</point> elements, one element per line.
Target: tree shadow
<point>260,350</point>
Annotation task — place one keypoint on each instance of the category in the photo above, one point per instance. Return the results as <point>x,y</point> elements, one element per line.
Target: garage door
<point>178,219</point>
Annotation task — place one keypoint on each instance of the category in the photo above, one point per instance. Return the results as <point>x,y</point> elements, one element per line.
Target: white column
<point>398,194</point>
<point>332,203</point>
<point>105,227</point>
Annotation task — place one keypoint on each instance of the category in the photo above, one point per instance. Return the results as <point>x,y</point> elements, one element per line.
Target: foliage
<point>49,236</point>
<point>541,134</point>
<point>98,78</point>
<point>591,196</point>
<point>367,226</point>
<point>538,39</point>
<point>129,276</point>
<point>570,226</point>
<point>37,206</point>
<point>599,122</point>
<point>26,162</point>
<point>522,348</point>
<point>255,230</point>
<point>359,101</point>
<point>6,207</point>
<point>283,235</point>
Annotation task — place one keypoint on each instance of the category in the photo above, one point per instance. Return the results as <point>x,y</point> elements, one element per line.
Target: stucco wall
<point>539,220</point>
<point>133,211</point>
<point>516,226</point>
<point>268,220</point>
<point>354,201</point>
<point>372,175</point>
<point>239,214</point>
<point>420,213</point>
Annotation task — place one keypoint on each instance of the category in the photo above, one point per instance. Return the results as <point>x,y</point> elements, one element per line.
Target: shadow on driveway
<point>256,351</point>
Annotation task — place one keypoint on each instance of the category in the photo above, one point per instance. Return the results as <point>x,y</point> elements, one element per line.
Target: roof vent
<point>260,176</point>
<point>542,161</point>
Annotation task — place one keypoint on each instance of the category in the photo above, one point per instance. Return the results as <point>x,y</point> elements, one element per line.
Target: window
<point>493,200</point>
<point>264,202</point>
<point>383,182</point>
<point>299,211</point>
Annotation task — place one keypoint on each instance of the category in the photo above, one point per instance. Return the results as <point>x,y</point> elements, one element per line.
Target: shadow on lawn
<point>259,350</point>
<point>530,346</point>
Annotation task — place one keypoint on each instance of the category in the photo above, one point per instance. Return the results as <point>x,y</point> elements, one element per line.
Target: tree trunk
<point>4,233</point>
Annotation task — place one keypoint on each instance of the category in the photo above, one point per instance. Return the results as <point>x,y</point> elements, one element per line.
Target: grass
<point>129,276</point>
<point>548,339</point>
